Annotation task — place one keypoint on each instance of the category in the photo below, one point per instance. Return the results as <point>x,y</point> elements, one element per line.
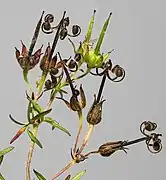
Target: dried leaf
<point>18,134</point>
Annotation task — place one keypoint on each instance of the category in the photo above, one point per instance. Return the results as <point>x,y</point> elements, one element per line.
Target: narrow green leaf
<point>39,176</point>
<point>56,125</point>
<point>79,175</point>
<point>6,150</point>
<point>1,177</point>
<point>40,115</point>
<point>1,159</point>
<point>36,106</point>
<point>25,75</point>
<point>34,139</point>
<point>90,28</point>
<point>29,111</point>
<point>17,122</point>
<point>102,34</point>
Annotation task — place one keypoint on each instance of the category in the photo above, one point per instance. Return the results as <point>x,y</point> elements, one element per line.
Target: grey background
<point>137,32</point>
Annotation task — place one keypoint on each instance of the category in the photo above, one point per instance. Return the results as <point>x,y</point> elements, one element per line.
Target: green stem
<point>41,83</point>
<point>25,75</point>
<point>30,153</point>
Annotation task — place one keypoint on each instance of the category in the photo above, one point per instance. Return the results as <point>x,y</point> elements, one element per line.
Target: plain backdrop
<point>137,32</point>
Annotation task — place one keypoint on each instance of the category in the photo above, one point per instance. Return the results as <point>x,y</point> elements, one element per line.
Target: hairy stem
<point>30,153</point>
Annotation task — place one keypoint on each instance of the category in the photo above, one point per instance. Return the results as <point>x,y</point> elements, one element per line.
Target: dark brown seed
<point>76,92</point>
<point>117,70</point>
<point>72,64</point>
<point>156,146</point>
<point>77,57</point>
<point>75,29</point>
<point>48,84</point>
<point>54,71</point>
<point>47,26</point>
<point>66,22</point>
<point>49,18</point>
<point>150,126</point>
<point>63,33</point>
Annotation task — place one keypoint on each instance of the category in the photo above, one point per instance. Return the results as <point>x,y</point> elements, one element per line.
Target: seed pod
<point>109,148</point>
<point>48,84</point>
<point>47,26</point>
<point>77,57</point>
<point>72,64</point>
<point>63,33</point>
<point>49,18</point>
<point>75,29</point>
<point>95,112</point>
<point>66,22</point>
<point>150,126</point>
<point>74,104</point>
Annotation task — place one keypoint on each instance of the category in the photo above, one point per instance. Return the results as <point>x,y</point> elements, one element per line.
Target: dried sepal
<point>83,98</point>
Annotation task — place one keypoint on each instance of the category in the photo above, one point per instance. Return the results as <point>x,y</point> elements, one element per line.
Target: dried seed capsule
<point>66,22</point>
<point>48,84</point>
<point>75,29</point>
<point>72,64</point>
<point>49,18</point>
<point>47,26</point>
<point>74,104</point>
<point>63,33</point>
<point>77,57</point>
<point>95,112</point>
<point>109,148</point>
